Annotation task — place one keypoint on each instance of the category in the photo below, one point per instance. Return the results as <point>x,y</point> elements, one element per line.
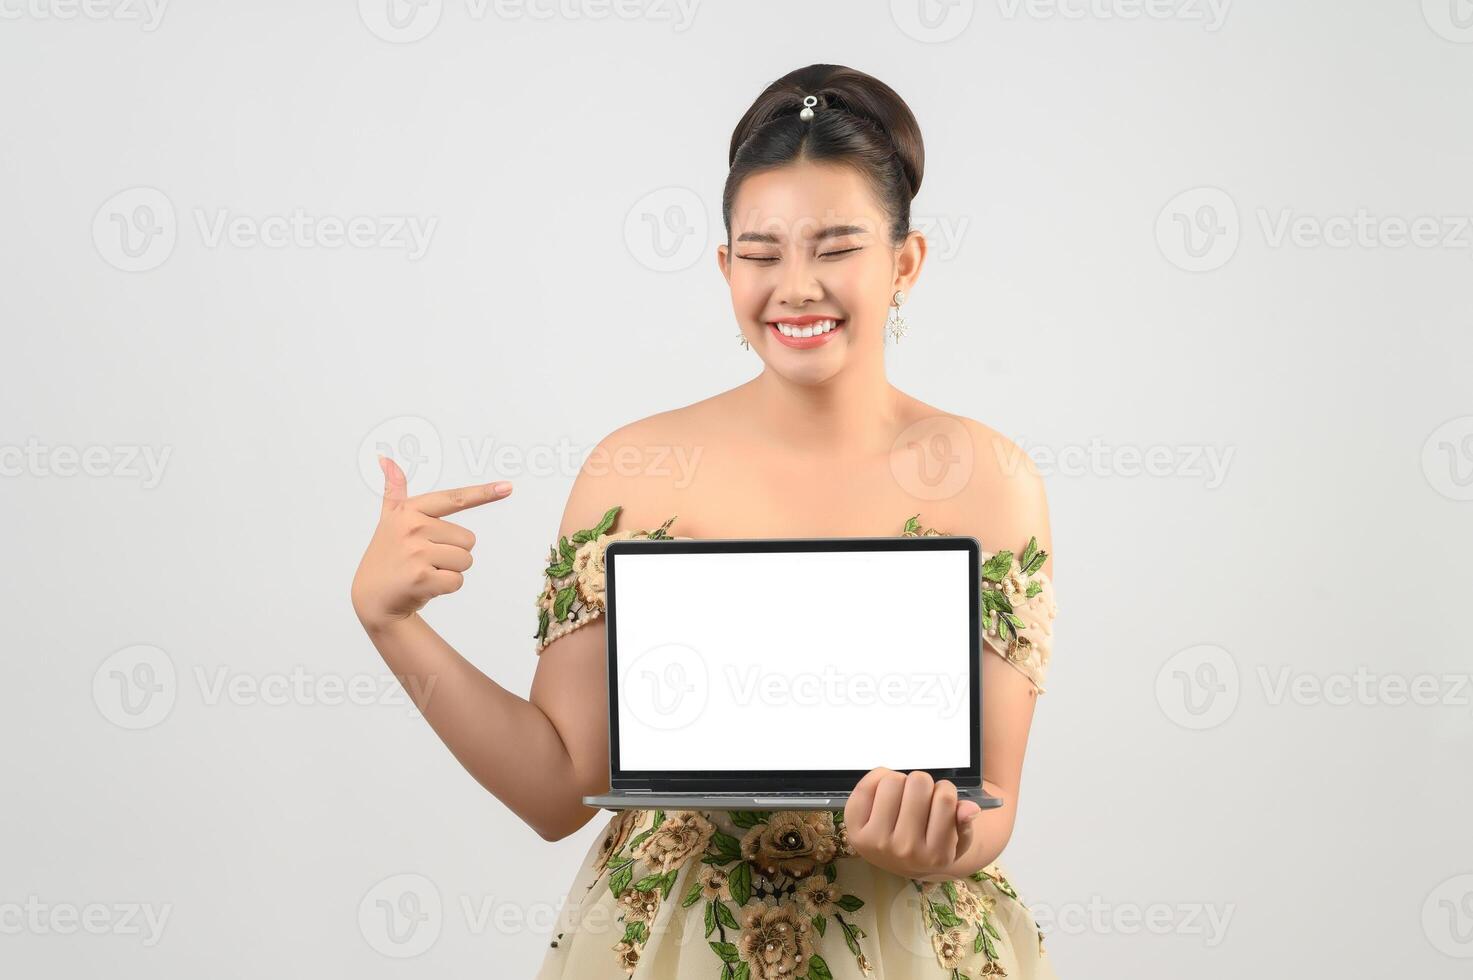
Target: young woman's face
<point>810,246</point>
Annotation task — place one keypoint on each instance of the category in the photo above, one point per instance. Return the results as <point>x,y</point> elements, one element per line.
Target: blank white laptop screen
<point>793,660</point>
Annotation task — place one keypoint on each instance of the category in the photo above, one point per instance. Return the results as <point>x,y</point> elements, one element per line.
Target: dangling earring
<point>742,339</point>
<point>896,326</point>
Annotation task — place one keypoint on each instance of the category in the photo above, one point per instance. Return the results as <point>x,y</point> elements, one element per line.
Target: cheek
<point>749,295</point>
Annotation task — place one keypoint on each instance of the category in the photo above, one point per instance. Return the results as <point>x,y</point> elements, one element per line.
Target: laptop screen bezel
<point>766,781</point>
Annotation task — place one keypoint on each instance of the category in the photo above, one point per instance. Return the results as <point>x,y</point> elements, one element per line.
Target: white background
<point>1064,304</point>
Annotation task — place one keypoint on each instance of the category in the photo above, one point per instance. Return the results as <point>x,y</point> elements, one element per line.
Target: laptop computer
<point>773,673</point>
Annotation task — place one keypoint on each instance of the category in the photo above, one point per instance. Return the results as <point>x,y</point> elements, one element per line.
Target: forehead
<point>796,200</point>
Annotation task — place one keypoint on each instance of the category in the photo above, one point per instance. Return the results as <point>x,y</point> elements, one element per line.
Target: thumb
<point>395,485</point>
<point>967,813</point>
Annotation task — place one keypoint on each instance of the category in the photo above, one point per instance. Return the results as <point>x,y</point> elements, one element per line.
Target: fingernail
<point>501,487</point>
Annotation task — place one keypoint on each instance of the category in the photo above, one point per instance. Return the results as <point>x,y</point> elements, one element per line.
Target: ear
<point>723,262</point>
<point>908,260</point>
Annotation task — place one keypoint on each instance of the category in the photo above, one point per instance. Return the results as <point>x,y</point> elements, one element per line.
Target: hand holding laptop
<point>911,825</point>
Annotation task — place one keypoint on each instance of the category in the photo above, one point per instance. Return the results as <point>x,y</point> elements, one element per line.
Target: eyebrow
<point>832,231</point>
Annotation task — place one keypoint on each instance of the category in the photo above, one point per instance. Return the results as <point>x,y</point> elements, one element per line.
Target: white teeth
<point>813,330</point>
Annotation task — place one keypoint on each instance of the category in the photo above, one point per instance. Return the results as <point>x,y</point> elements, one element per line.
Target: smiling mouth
<point>815,328</point>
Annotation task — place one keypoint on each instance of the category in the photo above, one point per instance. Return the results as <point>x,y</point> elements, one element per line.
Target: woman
<point>904,881</point>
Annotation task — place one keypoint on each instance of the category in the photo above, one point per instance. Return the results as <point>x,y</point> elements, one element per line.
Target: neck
<point>853,413</point>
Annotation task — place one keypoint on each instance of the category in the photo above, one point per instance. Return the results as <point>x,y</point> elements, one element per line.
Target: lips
<point>801,323</point>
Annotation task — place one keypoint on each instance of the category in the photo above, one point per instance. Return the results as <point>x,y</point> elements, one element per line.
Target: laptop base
<point>645,800</point>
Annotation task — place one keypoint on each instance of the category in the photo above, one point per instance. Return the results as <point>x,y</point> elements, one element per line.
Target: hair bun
<point>857,120</point>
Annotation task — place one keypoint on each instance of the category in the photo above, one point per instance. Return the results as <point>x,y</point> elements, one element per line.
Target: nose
<point>798,284</point>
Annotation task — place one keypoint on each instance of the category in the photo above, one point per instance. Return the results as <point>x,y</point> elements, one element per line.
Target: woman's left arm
<point>913,825</point>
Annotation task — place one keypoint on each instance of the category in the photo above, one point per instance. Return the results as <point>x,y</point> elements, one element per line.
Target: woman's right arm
<point>512,746</point>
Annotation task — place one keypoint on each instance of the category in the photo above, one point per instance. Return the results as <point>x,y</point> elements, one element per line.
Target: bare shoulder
<point>1005,503</point>
<point>630,468</point>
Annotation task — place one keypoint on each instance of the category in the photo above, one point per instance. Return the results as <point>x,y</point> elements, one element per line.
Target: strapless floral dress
<point>774,895</point>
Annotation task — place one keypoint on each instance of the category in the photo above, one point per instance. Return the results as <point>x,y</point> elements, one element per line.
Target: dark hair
<point>859,121</point>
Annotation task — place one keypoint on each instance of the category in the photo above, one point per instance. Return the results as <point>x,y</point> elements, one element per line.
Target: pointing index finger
<point>440,503</point>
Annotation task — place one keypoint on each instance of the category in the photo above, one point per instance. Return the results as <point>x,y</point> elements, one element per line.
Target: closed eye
<point>774,258</point>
